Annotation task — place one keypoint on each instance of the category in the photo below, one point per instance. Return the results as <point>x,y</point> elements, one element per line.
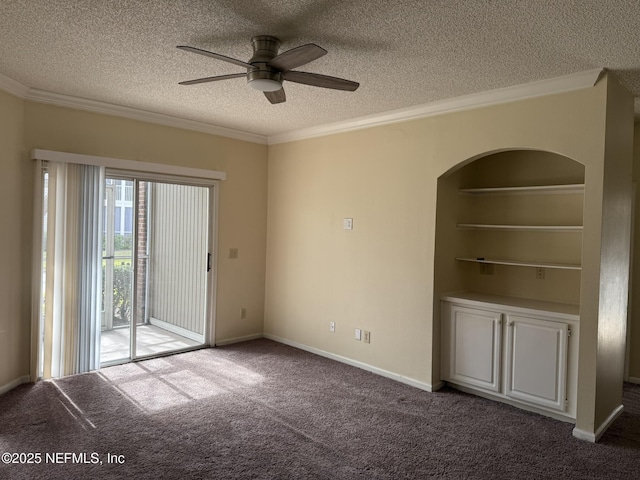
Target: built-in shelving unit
<point>511,333</point>
<point>574,188</point>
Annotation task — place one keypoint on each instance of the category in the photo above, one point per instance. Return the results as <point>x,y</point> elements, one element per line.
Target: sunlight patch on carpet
<point>157,384</point>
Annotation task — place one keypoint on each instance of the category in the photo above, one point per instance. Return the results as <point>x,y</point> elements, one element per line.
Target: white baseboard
<point>355,363</point>
<point>594,437</point>
<point>183,332</point>
<point>635,380</point>
<point>14,383</point>
<point>230,341</point>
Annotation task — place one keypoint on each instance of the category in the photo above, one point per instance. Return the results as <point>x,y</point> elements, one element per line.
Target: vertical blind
<point>73,268</point>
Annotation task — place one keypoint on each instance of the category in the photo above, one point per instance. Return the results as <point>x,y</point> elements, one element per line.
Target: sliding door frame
<point>131,169</point>
<point>36,270</point>
<point>212,249</point>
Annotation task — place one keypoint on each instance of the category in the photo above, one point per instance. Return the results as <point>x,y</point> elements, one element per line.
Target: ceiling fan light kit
<point>266,70</point>
<point>264,84</point>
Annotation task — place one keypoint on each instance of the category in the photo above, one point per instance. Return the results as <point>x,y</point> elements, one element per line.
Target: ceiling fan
<point>266,70</point>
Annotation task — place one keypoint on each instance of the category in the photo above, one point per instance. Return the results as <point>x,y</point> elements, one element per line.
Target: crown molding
<point>57,99</point>
<point>14,88</point>
<point>574,81</point>
<point>566,83</point>
<point>68,101</point>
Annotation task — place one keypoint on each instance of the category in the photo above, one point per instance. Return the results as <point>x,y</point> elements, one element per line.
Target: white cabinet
<point>536,361</point>
<point>523,352</point>
<point>475,347</point>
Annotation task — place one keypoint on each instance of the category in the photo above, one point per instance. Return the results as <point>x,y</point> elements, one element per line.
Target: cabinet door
<point>474,348</point>
<point>537,361</point>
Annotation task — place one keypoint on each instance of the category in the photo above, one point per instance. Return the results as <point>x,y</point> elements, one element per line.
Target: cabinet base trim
<point>513,403</point>
<point>635,380</point>
<point>354,363</point>
<point>594,437</point>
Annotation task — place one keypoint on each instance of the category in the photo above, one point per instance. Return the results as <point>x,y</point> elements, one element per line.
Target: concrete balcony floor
<point>150,340</point>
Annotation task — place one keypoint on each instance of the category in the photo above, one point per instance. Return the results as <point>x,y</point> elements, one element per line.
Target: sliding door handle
<point>208,262</point>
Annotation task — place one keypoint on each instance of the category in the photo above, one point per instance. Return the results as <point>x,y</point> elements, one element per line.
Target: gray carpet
<point>265,410</point>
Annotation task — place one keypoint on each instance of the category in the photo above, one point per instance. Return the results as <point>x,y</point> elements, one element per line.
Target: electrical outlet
<point>233,253</point>
<point>332,326</point>
<point>347,223</point>
<point>358,334</point>
<point>540,273</point>
<point>367,336</point>
<point>243,313</point>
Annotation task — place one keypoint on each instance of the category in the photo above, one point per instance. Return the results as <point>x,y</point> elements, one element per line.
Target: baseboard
<point>230,341</point>
<point>183,332</point>
<point>355,363</point>
<point>635,380</point>
<point>594,437</point>
<point>14,383</point>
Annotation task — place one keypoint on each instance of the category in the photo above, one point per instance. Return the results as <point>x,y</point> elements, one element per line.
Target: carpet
<point>263,410</point>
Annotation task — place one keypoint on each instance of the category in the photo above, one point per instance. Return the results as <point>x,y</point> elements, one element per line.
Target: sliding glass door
<point>155,268</point>
<point>125,262</point>
<point>117,279</point>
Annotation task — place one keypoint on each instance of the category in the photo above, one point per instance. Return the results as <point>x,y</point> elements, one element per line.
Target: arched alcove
<point>509,226</point>
<point>457,206</point>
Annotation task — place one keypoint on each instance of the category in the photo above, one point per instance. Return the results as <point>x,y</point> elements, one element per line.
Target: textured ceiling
<point>403,52</point>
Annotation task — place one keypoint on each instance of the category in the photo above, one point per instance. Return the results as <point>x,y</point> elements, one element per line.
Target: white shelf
<point>515,263</point>
<point>522,228</point>
<point>534,189</point>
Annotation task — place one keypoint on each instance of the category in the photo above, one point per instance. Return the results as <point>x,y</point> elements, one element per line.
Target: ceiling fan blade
<point>317,80</point>
<point>213,79</point>
<point>297,56</point>
<point>217,56</point>
<point>276,97</point>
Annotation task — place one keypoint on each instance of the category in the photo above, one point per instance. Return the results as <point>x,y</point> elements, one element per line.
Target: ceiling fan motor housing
<point>263,77</point>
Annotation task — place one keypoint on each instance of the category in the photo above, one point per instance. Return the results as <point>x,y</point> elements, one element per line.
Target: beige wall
<point>242,208</point>
<point>379,277</point>
<point>241,217</point>
<point>15,244</point>
<point>634,321</point>
<point>615,248</point>
<point>242,201</point>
